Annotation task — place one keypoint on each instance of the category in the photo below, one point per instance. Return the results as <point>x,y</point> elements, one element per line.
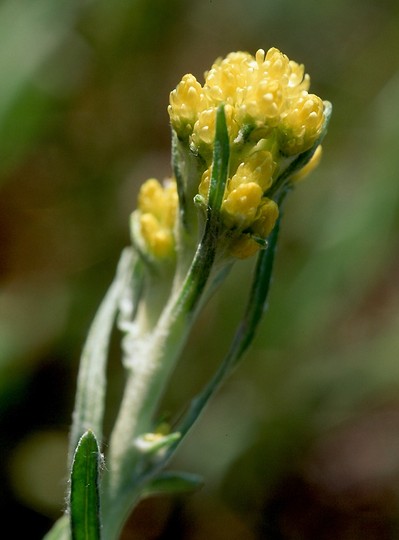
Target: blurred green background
<point>303,442</point>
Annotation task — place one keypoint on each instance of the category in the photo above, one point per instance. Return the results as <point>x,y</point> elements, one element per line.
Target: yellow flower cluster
<point>268,92</point>
<point>245,209</point>
<point>157,207</point>
<point>271,117</point>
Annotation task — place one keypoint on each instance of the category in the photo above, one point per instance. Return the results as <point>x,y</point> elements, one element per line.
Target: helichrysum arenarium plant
<point>240,143</point>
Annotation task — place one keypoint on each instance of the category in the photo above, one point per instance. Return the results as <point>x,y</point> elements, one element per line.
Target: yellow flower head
<point>157,206</point>
<point>266,217</point>
<point>271,119</point>
<point>267,91</point>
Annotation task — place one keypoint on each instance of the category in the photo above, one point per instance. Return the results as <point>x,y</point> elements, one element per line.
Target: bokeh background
<point>303,441</point>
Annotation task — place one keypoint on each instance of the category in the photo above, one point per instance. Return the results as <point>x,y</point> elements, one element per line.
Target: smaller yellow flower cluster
<point>244,207</point>
<point>157,207</point>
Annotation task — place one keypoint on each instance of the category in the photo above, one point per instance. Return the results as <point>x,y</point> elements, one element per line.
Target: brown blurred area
<point>303,442</point>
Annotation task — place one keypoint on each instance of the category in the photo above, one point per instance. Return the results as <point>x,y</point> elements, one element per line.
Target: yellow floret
<point>204,127</point>
<point>266,218</point>
<point>240,206</point>
<point>157,207</point>
<point>302,123</point>
<point>258,167</point>
<point>203,188</point>
<point>246,245</point>
<point>227,78</point>
<point>186,102</point>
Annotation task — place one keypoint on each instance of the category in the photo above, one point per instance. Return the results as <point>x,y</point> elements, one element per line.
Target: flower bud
<point>155,218</point>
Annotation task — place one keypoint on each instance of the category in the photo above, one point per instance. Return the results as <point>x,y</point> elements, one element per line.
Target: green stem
<point>243,337</point>
<point>91,385</point>
<point>154,356</point>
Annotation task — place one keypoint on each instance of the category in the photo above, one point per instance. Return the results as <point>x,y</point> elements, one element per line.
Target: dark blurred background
<point>303,441</point>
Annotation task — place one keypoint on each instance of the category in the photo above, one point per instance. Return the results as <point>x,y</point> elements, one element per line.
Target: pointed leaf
<point>84,496</point>
<point>220,164</point>
<point>91,386</point>
<point>203,260</point>
<point>243,337</point>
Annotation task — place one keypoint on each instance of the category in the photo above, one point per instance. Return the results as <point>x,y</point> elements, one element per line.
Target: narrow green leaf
<point>91,385</point>
<point>246,329</point>
<point>257,300</point>
<point>220,165</point>
<point>243,337</point>
<point>200,269</point>
<point>84,496</point>
<point>171,482</point>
